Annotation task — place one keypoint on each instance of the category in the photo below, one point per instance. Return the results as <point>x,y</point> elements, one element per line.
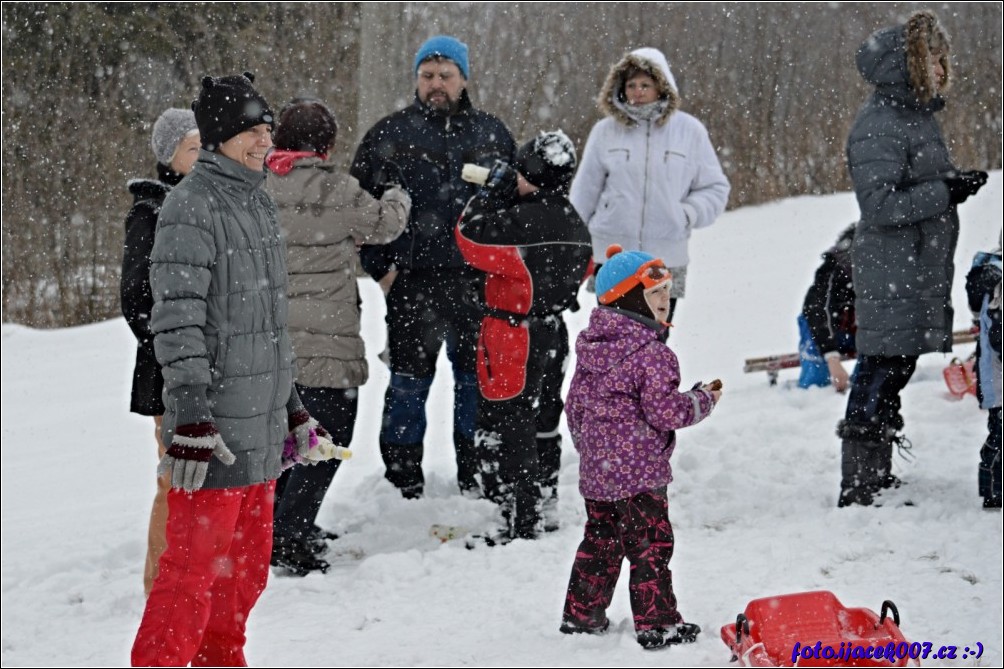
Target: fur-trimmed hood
<point>611,99</point>
<point>895,60</point>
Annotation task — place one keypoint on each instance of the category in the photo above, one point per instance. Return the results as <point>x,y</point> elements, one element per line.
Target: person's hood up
<point>895,59</point>
<point>611,99</point>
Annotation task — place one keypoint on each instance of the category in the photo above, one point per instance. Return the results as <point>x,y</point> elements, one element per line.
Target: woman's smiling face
<point>249,147</point>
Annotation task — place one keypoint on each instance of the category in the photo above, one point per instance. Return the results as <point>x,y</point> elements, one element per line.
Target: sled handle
<point>742,627</point>
<point>886,606</point>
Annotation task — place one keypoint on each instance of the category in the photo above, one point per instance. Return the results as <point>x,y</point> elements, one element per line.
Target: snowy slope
<point>753,504</point>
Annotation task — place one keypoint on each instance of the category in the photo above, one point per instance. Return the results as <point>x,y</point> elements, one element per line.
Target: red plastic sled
<point>960,377</point>
<point>767,633</point>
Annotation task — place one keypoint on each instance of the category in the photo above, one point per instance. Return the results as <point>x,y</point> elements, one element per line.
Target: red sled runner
<point>813,629</point>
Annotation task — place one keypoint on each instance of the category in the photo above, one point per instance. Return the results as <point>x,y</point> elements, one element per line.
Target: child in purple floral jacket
<point>623,408</point>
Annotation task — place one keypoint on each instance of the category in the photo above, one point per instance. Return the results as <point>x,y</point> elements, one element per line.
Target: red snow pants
<point>214,569</point>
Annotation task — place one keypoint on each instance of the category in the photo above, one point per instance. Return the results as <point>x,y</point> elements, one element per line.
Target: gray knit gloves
<point>188,456</point>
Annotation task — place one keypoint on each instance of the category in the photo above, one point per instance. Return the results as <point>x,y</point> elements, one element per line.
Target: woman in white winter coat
<point>649,174</point>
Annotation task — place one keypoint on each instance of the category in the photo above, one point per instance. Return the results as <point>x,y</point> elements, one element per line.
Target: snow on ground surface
<point>753,504</point>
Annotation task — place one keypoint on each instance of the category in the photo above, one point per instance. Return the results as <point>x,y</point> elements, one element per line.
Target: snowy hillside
<point>753,504</point>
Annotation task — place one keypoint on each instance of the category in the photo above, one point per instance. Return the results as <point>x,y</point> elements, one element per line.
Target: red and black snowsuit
<point>535,254</point>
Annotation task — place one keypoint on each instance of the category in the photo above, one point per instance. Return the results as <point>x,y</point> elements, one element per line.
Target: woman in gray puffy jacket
<point>902,256</point>
<point>324,215</point>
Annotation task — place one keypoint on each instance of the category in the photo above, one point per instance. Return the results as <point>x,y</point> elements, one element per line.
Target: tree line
<point>775,84</point>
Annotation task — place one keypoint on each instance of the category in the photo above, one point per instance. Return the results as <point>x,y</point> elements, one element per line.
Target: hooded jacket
<point>646,184</point>
<point>624,405</point>
<point>135,296</point>
<point>828,307</point>
<point>903,250</point>
<point>323,215</point>
<point>218,275</point>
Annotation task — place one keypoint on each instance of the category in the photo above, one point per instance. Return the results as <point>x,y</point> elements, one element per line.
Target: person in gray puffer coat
<point>908,191</point>
<point>218,277</point>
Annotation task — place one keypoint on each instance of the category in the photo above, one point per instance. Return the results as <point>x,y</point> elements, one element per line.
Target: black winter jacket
<point>829,303</point>
<point>535,254</point>
<point>136,298</point>
<point>426,150</point>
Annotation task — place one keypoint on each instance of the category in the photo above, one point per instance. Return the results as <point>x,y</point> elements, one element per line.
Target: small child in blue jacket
<point>983,288</point>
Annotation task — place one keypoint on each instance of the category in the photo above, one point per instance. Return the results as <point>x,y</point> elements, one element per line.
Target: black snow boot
<point>296,557</point>
<point>467,466</point>
<point>487,447</point>
<point>990,476</point>
<point>404,468</point>
<point>674,634</point>
<point>858,477</point>
<point>862,458</point>
<point>574,627</point>
<point>549,455</point>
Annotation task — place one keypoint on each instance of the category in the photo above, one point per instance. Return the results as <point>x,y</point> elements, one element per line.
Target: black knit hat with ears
<point>228,106</point>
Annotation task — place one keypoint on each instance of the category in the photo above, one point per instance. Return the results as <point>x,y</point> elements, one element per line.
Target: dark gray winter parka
<point>218,275</point>
<point>902,253</point>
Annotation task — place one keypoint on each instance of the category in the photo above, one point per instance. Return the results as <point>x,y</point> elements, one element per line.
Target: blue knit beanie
<point>620,266</point>
<point>447,47</point>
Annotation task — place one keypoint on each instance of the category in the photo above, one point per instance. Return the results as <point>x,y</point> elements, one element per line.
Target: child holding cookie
<point>623,408</point>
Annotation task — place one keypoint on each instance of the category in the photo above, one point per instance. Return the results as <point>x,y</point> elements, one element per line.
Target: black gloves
<point>964,184</point>
<point>500,186</point>
<point>389,175</point>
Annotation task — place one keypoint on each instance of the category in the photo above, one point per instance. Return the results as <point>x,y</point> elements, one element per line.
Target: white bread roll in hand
<point>475,174</point>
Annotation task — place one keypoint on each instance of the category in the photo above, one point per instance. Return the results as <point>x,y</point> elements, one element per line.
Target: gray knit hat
<point>168,131</point>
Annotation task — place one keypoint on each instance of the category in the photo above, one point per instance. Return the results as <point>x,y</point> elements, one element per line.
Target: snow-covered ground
<point>753,504</point>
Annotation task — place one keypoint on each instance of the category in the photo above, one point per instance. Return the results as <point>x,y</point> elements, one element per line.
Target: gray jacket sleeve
<point>183,254</point>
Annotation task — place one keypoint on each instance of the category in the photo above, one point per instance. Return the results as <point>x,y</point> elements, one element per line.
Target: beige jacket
<point>324,215</point>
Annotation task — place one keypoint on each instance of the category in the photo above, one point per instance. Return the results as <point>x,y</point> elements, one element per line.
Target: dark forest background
<point>775,84</point>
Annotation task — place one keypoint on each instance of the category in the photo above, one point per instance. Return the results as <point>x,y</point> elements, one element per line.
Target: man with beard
<point>431,293</point>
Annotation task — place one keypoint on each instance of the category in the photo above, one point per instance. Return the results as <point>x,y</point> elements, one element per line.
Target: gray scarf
<point>646,112</point>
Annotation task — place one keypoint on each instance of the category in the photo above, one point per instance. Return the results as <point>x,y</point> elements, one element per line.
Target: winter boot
<point>672,635</point>
<point>519,515</point>
<point>487,445</point>
<point>549,509</point>
<point>576,627</point>
<point>861,458</point>
<point>857,479</point>
<point>467,466</point>
<point>319,538</point>
<point>404,468</point>
<point>525,522</point>
<point>990,475</point>
<point>296,557</point>
<point>549,455</point>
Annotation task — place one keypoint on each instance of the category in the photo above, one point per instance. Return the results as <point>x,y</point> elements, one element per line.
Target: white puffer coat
<point>646,184</point>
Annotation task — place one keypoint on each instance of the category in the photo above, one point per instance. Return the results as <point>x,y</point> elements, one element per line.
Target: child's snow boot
<point>580,627</point>
<point>672,635</point>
